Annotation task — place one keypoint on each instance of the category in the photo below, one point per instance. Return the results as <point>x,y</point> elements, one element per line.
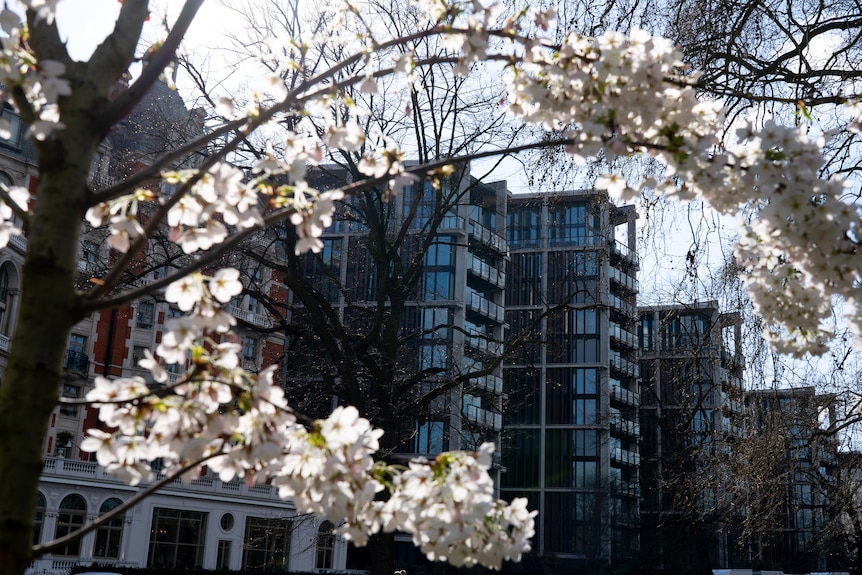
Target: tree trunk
<point>48,310</point>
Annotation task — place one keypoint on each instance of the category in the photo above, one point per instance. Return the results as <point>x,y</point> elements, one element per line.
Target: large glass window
<point>571,396</point>
<point>573,224</point>
<point>177,538</point>
<point>325,546</point>
<point>524,285</point>
<point>430,437</point>
<point>521,458</point>
<point>437,285</point>
<point>583,535</point>
<point>70,517</point>
<point>564,448</point>
<point>145,315</point>
<point>110,535</point>
<point>525,403</point>
<point>572,276</point>
<point>267,544</point>
<point>434,356</point>
<point>524,226</point>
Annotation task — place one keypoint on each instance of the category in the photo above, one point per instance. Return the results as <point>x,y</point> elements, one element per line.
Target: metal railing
<point>487,272</point>
<point>486,307</point>
<point>491,239</point>
<point>77,361</point>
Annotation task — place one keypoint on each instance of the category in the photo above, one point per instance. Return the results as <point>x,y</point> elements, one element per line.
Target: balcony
<point>483,417</point>
<point>625,456</point>
<point>487,272</point>
<point>618,362</point>
<point>491,383</point>
<point>482,343</point>
<point>626,426</point>
<point>486,307</point>
<point>18,241</point>
<point>628,488</point>
<point>622,335</point>
<point>77,361</point>
<point>248,316</point>
<point>623,251</point>
<point>4,343</point>
<point>619,304</point>
<point>448,223</point>
<point>491,239</point>
<point>625,280</point>
<point>624,395</point>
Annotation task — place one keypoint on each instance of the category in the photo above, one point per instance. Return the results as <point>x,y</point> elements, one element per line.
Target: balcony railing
<point>483,417</point>
<point>626,426</point>
<point>486,307</point>
<point>491,239</point>
<point>487,272</point>
<point>622,335</point>
<point>492,383</point>
<point>18,241</point>
<point>248,316</point>
<point>629,488</point>
<point>58,466</point>
<point>625,456</point>
<point>624,251</point>
<point>482,343</point>
<point>624,279</point>
<point>4,343</point>
<point>624,395</point>
<point>77,361</point>
<point>617,303</point>
<point>627,367</point>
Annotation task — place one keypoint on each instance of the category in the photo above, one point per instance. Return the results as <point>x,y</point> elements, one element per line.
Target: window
<point>110,535</point>
<point>434,356</point>
<point>223,554</point>
<point>38,518</point>
<point>573,224</point>
<point>325,546</point>
<point>90,256</point>
<point>253,304</point>
<point>226,522</point>
<point>436,322</point>
<point>71,392</point>
<point>76,354</point>
<point>524,228</point>
<point>266,544</point>
<point>145,315</point>
<point>429,437</point>
<point>70,517</point>
<point>437,285</point>
<point>16,128</point>
<point>138,354</point>
<point>249,348</point>
<point>177,538</point>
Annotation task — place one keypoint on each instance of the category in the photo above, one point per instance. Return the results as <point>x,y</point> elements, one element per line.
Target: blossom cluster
<point>41,81</point>
<point>238,424</point>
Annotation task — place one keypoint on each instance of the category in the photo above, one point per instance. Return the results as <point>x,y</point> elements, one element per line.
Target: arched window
<point>38,519</point>
<point>110,535</point>
<point>71,515</point>
<point>325,546</point>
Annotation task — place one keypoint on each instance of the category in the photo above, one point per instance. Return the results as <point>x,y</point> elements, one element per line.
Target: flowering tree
<point>618,95</point>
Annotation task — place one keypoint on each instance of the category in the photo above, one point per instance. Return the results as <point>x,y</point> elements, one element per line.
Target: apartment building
<point>691,416</point>
<point>571,432</point>
<point>800,495</point>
